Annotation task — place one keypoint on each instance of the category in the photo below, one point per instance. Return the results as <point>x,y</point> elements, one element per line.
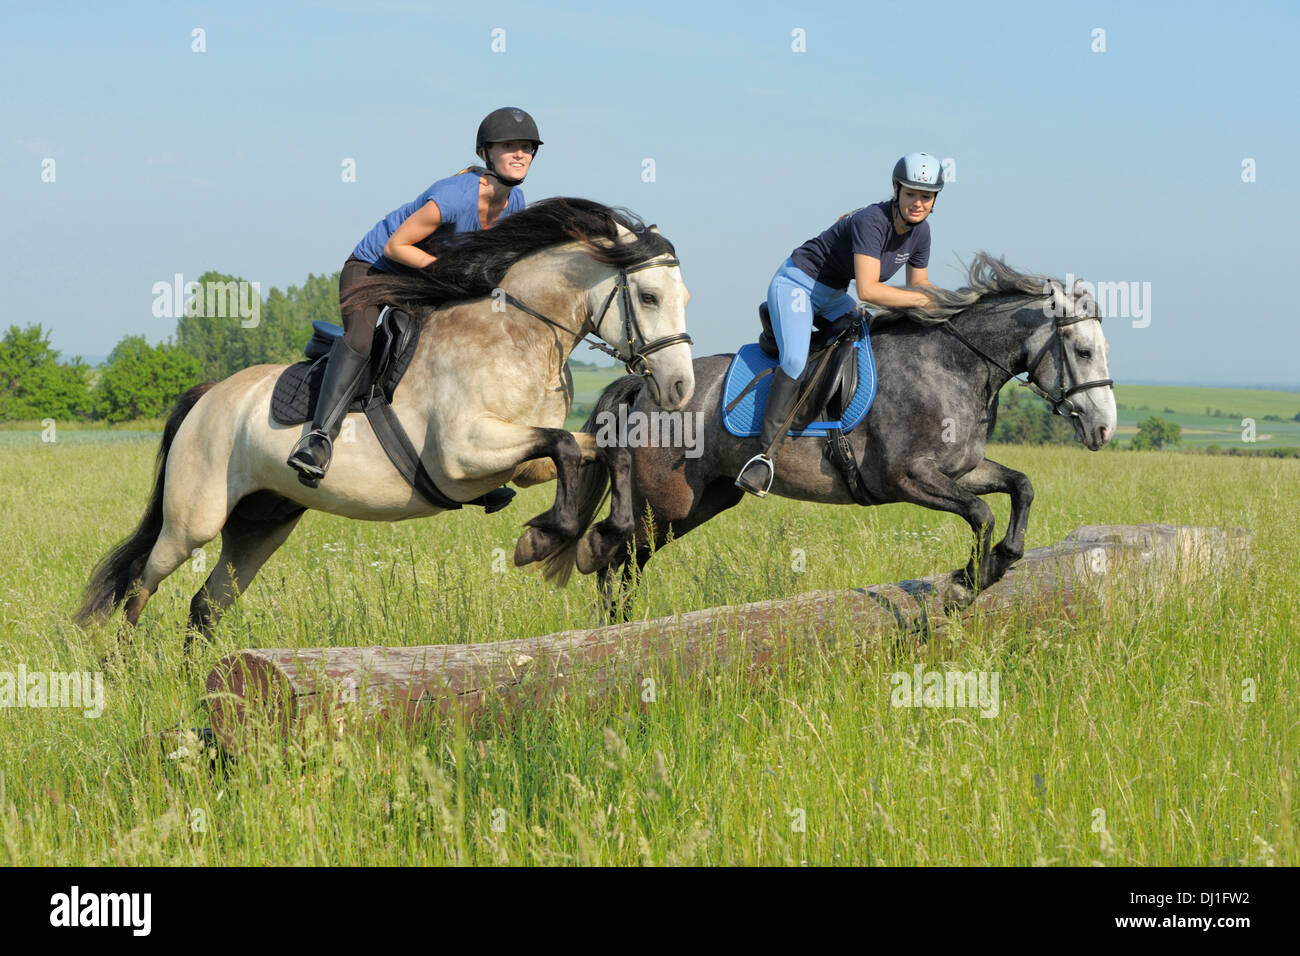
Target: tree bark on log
<point>282,689</point>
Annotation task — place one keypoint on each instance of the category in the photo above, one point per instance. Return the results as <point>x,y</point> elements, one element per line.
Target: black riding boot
<point>756,476</point>
<point>494,500</point>
<point>343,370</point>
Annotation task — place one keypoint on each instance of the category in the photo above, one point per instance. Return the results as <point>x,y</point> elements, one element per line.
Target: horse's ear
<point>653,228</point>
<point>1084,303</point>
<point>1056,302</point>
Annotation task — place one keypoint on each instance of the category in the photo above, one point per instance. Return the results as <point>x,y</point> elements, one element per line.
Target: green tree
<point>1155,433</point>
<point>1026,420</point>
<point>289,316</point>
<point>143,381</point>
<point>34,384</point>
<point>224,341</point>
<point>1015,424</point>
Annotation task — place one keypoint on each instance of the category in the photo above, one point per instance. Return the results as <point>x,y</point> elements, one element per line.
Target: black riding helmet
<point>502,126</point>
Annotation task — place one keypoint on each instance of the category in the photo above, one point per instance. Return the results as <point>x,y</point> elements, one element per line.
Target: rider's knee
<point>359,329</point>
<point>793,365</point>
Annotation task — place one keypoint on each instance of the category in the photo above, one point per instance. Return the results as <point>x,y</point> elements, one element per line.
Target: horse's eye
<point>649,298</point>
<point>1084,353</point>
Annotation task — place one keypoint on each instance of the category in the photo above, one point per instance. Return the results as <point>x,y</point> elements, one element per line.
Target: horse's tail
<point>121,568</point>
<point>593,480</point>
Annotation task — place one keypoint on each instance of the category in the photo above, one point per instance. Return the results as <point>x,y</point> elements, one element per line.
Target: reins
<point>634,360</point>
<point>1064,393</point>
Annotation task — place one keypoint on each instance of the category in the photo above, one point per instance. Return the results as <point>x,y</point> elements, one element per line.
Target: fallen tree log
<point>284,688</point>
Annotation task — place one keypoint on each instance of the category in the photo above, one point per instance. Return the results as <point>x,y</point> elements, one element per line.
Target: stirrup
<point>310,473</point>
<point>771,473</point>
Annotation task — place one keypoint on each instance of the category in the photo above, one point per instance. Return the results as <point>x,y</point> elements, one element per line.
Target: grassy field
<point>1188,400</point>
<point>588,383</point>
<point>1210,416</point>
<point>1133,738</point>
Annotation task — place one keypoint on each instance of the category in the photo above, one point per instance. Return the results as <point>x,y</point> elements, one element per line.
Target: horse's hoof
<point>536,545</point>
<point>588,555</point>
<point>957,596</point>
<point>525,549</point>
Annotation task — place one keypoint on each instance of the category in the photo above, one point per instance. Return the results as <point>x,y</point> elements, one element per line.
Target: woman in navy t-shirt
<point>472,199</point>
<point>869,245</point>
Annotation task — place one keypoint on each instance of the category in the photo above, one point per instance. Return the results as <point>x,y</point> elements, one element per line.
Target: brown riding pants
<point>359,326</point>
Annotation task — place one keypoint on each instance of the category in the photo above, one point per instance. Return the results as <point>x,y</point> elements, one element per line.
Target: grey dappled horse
<point>938,373</point>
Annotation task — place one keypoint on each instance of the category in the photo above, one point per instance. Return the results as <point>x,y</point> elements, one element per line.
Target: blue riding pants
<point>793,298</point>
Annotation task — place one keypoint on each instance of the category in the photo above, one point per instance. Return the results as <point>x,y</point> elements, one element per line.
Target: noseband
<point>634,359</point>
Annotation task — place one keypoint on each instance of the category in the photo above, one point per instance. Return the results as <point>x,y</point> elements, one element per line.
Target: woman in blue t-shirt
<point>868,246</point>
<point>473,199</point>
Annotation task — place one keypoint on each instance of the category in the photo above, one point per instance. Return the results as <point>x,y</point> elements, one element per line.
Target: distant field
<point>1188,400</point>
<point>587,386</point>
<point>72,435</point>
<point>1212,415</point>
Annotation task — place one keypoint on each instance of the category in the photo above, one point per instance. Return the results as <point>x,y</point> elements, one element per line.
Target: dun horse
<point>483,401</point>
<point>938,372</point>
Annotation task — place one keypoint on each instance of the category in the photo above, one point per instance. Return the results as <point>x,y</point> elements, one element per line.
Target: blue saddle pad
<point>746,419</point>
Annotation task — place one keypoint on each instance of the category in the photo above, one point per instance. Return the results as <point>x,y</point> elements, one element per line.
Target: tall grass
<point>1161,732</point>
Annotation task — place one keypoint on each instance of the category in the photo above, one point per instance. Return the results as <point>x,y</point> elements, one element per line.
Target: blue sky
<point>1117,166</point>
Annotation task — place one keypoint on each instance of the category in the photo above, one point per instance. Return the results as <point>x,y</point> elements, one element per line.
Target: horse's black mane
<point>471,265</point>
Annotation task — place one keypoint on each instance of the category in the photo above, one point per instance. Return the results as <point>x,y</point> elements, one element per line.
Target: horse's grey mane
<point>988,276</point>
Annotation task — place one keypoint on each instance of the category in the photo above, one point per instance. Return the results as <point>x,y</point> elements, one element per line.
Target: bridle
<point>635,361</point>
<point>1063,393</point>
<point>634,358</point>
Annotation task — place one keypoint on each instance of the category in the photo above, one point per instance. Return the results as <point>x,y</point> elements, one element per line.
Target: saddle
<point>835,392</point>
<point>296,391</point>
<point>293,401</point>
<point>822,397</point>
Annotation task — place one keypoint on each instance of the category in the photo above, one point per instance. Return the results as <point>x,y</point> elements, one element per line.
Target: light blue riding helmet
<point>919,171</point>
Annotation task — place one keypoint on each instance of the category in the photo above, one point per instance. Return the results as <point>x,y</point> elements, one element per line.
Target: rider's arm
<point>874,292</point>
<point>420,224</point>
<point>917,276</point>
